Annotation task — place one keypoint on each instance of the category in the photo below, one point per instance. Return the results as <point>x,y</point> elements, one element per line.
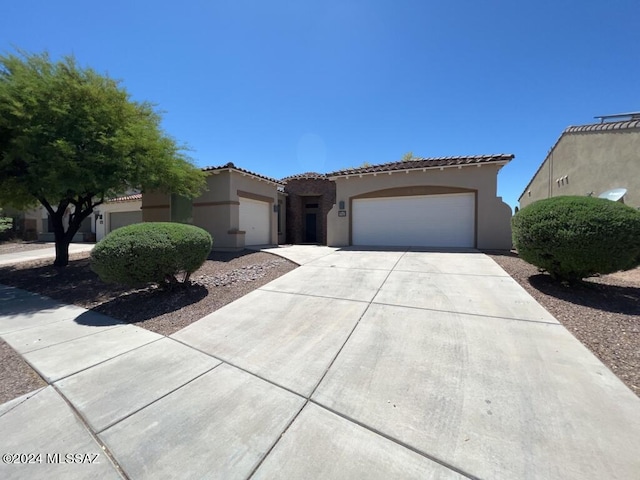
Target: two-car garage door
<point>421,220</point>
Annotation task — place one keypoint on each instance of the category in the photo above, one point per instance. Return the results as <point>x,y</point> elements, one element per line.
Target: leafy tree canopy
<point>70,136</point>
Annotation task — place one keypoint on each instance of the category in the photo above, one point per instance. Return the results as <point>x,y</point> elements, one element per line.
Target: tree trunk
<point>83,208</point>
<point>62,241</point>
<point>62,252</point>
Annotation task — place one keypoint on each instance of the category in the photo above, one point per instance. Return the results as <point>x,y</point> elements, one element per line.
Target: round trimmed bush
<point>150,253</point>
<point>576,237</point>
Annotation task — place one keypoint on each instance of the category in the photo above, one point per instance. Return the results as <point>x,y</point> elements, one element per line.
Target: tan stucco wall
<point>592,162</point>
<point>493,216</point>
<point>217,209</point>
<point>155,207</point>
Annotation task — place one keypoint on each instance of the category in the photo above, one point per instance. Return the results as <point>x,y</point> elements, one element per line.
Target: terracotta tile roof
<point>231,166</point>
<point>606,126</point>
<point>420,163</point>
<point>305,176</point>
<point>594,127</point>
<point>126,198</point>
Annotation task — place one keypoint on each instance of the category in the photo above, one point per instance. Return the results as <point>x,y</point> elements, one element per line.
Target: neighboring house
<point>239,208</point>
<point>591,159</point>
<point>37,224</point>
<point>114,213</point>
<point>310,197</point>
<point>431,202</point>
<point>117,212</point>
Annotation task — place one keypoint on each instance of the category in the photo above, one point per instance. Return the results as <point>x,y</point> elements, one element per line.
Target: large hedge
<point>151,253</point>
<point>576,237</point>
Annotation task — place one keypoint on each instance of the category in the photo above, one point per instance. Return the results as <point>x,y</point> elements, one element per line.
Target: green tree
<point>70,138</point>
<point>407,157</point>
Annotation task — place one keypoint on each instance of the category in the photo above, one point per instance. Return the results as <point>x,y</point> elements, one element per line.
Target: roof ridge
<point>231,166</point>
<point>603,126</point>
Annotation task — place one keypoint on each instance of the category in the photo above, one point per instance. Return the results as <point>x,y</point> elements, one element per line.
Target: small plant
<point>151,253</point>
<point>6,226</point>
<point>576,237</point>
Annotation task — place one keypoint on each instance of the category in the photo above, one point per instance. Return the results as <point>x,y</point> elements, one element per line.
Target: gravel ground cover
<point>20,246</point>
<point>603,312</point>
<point>224,277</point>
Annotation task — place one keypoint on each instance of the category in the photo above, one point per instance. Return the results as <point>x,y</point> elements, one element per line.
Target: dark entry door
<point>310,233</point>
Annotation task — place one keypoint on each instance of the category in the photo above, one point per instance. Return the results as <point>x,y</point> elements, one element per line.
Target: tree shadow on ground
<point>151,302</point>
<point>78,284</point>
<point>599,296</point>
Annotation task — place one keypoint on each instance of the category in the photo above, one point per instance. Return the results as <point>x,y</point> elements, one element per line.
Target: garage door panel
<point>427,220</point>
<point>255,219</point>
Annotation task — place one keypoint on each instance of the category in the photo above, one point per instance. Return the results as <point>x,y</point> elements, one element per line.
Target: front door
<point>310,232</point>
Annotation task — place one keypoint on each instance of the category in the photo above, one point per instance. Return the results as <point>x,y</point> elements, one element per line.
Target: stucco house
<point>239,208</point>
<point>113,213</point>
<point>431,202</point>
<point>591,159</point>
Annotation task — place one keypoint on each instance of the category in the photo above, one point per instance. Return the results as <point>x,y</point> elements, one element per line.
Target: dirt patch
<point>223,278</point>
<point>602,312</point>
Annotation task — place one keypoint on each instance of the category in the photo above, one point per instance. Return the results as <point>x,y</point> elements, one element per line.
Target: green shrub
<point>150,253</point>
<point>576,237</point>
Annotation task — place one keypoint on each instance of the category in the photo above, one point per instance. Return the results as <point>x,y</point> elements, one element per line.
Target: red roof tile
<point>126,198</point>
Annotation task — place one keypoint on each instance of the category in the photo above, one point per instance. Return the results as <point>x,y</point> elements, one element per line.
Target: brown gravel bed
<point>20,246</point>
<point>16,376</point>
<point>602,312</point>
<point>223,278</point>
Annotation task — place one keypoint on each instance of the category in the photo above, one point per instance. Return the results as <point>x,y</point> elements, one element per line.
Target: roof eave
<point>501,163</point>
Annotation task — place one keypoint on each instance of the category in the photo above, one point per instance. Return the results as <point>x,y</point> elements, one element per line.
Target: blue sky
<point>284,87</point>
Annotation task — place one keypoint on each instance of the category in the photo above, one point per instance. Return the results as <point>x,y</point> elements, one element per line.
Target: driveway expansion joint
<point>453,312</point>
<point>93,435</point>
<point>398,442</point>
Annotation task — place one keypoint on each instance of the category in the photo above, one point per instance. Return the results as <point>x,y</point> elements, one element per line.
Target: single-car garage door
<point>122,219</point>
<point>423,220</point>
<point>255,219</point>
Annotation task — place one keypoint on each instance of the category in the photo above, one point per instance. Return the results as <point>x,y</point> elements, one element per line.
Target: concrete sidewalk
<point>358,364</point>
<point>41,253</point>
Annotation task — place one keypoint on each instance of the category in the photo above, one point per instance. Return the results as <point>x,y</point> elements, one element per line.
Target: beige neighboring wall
<point>589,161</point>
<point>493,216</point>
<point>156,207</point>
<point>217,209</point>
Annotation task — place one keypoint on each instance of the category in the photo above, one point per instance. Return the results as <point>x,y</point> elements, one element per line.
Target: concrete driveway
<point>358,364</point>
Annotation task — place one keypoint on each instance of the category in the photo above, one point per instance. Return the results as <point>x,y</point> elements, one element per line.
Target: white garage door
<point>255,219</point>
<point>425,220</point>
<point>122,219</point>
